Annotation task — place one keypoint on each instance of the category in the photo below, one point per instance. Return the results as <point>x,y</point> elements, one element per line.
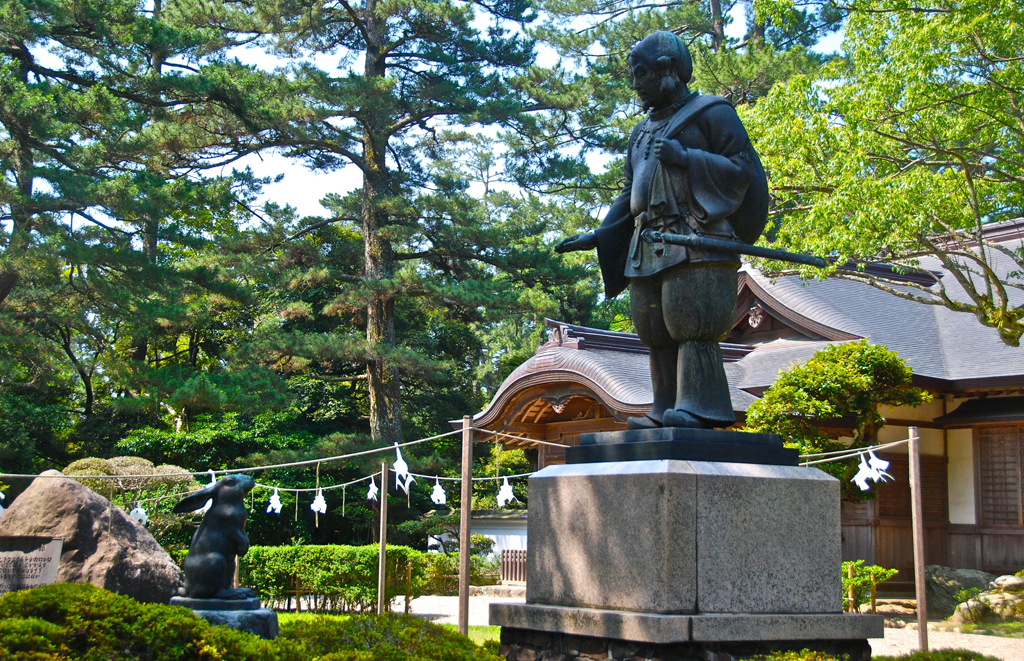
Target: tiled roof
<point>937,342</point>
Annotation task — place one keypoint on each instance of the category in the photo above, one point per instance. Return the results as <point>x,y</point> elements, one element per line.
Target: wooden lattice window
<point>1002,491</point>
<point>894,496</point>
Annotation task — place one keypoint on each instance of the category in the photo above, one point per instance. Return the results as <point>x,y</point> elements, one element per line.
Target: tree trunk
<point>759,23</point>
<point>84,374</point>
<point>382,373</point>
<point>21,209</point>
<point>8,278</point>
<point>150,226</point>
<point>717,25</point>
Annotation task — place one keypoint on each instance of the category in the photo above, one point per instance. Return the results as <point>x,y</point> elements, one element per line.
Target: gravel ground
<point>901,641</point>
<point>444,610</point>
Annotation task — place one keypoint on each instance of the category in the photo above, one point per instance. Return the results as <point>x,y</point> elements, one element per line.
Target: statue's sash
<point>690,112</point>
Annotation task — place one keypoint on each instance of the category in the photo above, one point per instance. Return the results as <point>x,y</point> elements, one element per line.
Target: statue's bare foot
<point>642,422</point>
<point>680,418</point>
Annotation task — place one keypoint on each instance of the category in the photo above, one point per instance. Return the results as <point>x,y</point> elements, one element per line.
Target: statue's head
<point>660,66</point>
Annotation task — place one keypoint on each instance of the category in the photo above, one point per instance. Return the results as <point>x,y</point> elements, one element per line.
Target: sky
<point>303,189</point>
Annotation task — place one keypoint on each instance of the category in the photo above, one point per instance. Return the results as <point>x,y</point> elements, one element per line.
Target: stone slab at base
<point>261,622</point>
<point>217,604</point>
<point>682,444</point>
<point>701,628</point>
<point>526,644</point>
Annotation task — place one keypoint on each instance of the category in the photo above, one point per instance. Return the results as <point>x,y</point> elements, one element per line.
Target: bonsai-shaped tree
<point>848,381</point>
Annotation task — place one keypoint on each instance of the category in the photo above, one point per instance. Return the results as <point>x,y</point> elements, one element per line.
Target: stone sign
<point>28,562</point>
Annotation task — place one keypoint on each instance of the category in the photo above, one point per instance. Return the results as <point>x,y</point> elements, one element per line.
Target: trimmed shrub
<point>75,620</point>
<point>938,655</point>
<point>388,637</point>
<point>802,655</point>
<point>337,578</point>
<point>80,622</point>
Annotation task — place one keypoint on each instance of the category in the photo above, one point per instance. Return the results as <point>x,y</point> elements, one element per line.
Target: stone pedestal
<point>685,537</point>
<point>242,614</point>
<point>698,556</point>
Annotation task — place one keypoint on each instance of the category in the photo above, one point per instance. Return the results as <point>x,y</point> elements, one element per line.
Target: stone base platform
<point>664,629</point>
<point>682,444</point>
<point>217,604</point>
<point>531,631</point>
<point>242,614</point>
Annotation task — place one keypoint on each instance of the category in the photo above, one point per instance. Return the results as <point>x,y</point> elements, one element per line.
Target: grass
<point>480,634</point>
<point>283,617</point>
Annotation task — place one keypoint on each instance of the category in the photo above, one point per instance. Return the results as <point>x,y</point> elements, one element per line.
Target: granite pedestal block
<point>681,537</point>
<point>242,614</point>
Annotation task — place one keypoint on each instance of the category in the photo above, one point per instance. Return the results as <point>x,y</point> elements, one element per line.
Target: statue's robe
<point>722,192</point>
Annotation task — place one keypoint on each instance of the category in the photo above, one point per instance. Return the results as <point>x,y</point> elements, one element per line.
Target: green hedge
<point>76,622</point>
<point>336,578</point>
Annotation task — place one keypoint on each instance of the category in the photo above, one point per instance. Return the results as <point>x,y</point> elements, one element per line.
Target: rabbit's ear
<point>196,500</point>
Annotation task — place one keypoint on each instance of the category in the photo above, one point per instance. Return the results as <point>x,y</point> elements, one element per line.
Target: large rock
<point>944,582</point>
<point>992,606</point>
<point>1009,583</point>
<point>117,554</point>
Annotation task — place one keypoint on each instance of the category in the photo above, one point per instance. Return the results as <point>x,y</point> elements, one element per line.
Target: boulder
<point>116,553</point>
<point>1009,583</point>
<point>943,583</point>
<point>990,607</point>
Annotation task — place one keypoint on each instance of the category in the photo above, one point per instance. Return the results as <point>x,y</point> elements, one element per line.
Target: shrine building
<point>972,432</point>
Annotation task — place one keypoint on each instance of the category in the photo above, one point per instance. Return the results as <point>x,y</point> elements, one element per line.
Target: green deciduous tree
<point>904,149</point>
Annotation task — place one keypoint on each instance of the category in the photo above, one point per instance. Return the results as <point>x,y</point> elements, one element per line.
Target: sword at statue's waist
<point>725,245</point>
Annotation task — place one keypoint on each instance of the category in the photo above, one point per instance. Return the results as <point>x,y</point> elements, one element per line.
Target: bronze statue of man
<point>690,168</point>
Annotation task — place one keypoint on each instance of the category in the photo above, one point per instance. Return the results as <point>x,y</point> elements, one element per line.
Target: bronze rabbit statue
<point>210,563</point>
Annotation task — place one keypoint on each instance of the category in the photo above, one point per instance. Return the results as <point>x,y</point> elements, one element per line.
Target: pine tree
<point>109,116</point>
<point>413,78</point>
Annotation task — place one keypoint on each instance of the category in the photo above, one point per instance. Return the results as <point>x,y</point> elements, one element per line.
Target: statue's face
<point>647,80</point>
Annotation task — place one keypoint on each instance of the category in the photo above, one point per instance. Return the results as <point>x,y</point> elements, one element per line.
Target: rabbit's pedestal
<point>242,614</point>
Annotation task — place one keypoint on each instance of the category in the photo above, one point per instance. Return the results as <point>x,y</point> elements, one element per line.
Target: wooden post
<point>874,595</point>
<point>917,520</point>
<point>852,596</point>
<point>465,529</point>
<point>408,584</point>
<point>382,562</point>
